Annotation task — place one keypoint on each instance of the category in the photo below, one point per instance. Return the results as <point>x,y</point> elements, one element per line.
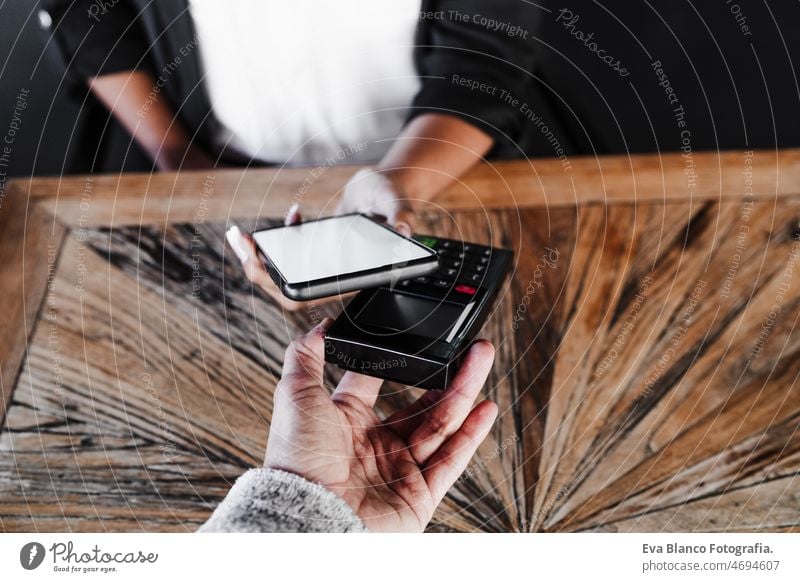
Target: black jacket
<point>578,77</point>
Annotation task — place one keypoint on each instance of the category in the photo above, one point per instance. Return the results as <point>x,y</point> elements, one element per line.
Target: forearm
<point>432,151</point>
<point>151,122</point>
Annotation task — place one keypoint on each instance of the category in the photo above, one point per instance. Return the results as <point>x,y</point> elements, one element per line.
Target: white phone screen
<point>334,247</point>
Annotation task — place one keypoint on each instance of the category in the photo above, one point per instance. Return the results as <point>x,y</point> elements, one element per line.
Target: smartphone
<point>340,254</point>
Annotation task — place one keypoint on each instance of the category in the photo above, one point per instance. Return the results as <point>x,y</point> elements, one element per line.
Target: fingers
<point>404,422</point>
<point>344,206</point>
<point>404,221</point>
<point>365,388</point>
<point>449,413</point>
<point>305,359</point>
<point>245,248</point>
<point>374,193</point>
<point>234,237</point>
<point>403,228</point>
<point>252,266</point>
<point>450,461</point>
<point>293,215</point>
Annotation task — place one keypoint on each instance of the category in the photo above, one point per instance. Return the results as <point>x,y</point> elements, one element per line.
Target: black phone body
<point>339,254</point>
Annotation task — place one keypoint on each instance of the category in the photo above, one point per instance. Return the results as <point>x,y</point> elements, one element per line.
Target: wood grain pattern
<point>646,374</point>
<point>31,242</point>
<point>171,198</point>
<point>161,199</point>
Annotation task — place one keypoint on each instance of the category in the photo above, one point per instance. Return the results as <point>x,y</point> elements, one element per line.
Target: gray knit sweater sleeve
<point>268,500</point>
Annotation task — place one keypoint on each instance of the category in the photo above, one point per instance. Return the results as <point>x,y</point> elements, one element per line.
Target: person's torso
<point>308,82</point>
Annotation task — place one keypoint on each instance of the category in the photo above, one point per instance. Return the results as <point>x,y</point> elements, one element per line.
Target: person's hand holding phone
<point>368,192</point>
<point>374,193</point>
<point>392,473</point>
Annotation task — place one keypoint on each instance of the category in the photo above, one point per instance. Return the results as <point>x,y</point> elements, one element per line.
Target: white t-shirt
<point>308,82</point>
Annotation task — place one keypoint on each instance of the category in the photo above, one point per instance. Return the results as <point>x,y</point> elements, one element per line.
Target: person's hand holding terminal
<point>392,473</point>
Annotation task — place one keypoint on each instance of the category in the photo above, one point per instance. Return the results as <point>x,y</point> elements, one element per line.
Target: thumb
<point>305,359</point>
<point>404,222</point>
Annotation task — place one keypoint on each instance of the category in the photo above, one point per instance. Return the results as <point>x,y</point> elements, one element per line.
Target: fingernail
<point>291,214</point>
<point>323,326</point>
<point>403,228</point>
<point>234,236</point>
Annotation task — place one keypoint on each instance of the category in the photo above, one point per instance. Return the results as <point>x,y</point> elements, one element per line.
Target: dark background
<point>740,91</point>
<point>58,132</point>
<point>42,146</point>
